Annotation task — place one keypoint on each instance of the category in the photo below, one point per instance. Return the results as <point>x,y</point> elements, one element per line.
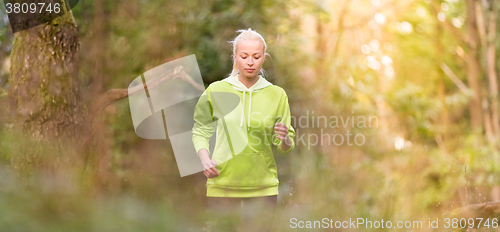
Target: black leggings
<point>241,214</point>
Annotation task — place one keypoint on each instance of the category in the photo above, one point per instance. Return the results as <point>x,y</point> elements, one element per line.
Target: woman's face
<point>249,57</point>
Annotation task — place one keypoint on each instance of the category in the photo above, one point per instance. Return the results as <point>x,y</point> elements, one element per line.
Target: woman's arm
<point>208,165</point>
<point>283,129</point>
<point>203,129</point>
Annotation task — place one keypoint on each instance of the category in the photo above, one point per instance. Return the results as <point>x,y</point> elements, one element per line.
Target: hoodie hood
<point>236,83</point>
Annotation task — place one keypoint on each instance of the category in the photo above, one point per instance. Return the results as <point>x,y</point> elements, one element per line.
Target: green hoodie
<point>245,135</point>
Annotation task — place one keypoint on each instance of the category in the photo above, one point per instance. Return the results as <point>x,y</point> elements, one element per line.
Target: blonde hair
<point>247,34</point>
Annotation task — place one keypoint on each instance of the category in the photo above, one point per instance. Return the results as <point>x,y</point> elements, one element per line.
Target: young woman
<point>252,115</point>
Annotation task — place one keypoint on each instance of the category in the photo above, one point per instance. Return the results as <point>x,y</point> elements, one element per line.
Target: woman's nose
<point>250,62</point>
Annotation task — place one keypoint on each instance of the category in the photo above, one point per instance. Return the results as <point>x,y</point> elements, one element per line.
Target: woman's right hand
<point>209,168</point>
<point>208,165</point>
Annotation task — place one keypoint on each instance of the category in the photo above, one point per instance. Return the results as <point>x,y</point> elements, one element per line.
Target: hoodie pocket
<point>246,170</point>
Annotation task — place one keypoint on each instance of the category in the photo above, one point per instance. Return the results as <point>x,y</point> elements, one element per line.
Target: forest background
<point>426,69</point>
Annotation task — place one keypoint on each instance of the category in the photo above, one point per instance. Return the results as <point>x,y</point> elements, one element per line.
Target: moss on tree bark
<point>44,96</point>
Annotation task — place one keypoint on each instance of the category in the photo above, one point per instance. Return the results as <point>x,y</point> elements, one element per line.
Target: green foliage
<point>420,161</point>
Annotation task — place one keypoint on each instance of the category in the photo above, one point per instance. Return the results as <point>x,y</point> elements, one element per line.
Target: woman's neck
<point>248,82</point>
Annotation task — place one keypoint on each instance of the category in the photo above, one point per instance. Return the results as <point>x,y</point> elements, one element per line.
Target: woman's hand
<point>209,168</point>
<point>281,131</point>
<point>208,165</point>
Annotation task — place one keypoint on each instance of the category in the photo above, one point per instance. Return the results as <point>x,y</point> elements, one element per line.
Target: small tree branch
<point>114,95</point>
<point>481,26</point>
<point>492,25</point>
<point>454,78</point>
<point>478,211</point>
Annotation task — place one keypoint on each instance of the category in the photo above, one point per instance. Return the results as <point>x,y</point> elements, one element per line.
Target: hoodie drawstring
<point>249,108</point>
<point>261,83</point>
<point>243,108</point>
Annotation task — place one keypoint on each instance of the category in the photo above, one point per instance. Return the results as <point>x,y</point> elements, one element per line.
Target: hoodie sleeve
<point>203,128</point>
<point>284,113</point>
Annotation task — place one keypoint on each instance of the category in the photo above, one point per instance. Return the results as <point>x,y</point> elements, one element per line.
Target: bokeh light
<point>400,143</point>
<point>445,6</point>
<point>457,22</point>
<point>389,72</point>
<point>365,49</point>
<point>388,46</point>
<point>374,45</point>
<point>420,11</point>
<point>387,61</point>
<point>441,16</point>
<point>350,81</point>
<point>404,27</point>
<point>373,63</point>
<point>379,18</point>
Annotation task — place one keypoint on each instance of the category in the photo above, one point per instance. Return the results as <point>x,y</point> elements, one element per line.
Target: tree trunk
<point>443,121</point>
<point>491,67</point>
<point>474,69</point>
<point>44,97</point>
<point>101,149</point>
<point>487,35</point>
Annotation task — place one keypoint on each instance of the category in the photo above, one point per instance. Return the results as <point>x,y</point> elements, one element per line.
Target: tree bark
<point>443,121</point>
<point>492,73</point>
<point>43,90</point>
<point>486,27</point>
<point>101,145</point>
<point>43,96</point>
<point>474,69</point>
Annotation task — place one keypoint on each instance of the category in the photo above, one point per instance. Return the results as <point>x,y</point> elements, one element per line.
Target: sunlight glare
<point>388,46</point>
<point>445,6</point>
<point>420,11</point>
<point>389,72</point>
<point>374,45</point>
<point>441,16</point>
<point>387,61</point>
<point>379,18</point>
<point>401,144</point>
<point>373,63</point>
<point>404,27</point>
<point>350,81</point>
<point>457,22</point>
<point>365,49</point>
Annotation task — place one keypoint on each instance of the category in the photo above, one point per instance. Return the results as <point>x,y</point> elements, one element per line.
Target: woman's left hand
<point>281,131</point>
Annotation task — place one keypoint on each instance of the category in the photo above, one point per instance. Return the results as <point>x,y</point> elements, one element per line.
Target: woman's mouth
<point>250,70</point>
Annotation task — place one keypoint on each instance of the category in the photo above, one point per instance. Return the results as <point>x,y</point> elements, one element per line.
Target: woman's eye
<point>257,58</point>
<point>243,57</point>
